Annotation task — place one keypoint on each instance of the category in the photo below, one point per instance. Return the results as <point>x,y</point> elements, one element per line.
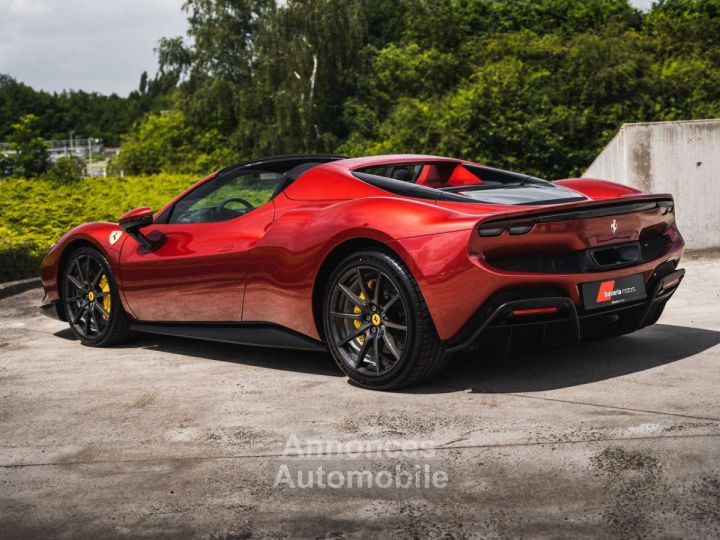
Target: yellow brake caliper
<point>357,310</point>
<point>107,301</point>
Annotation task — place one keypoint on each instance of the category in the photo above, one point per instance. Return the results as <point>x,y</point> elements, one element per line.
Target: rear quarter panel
<point>284,265</point>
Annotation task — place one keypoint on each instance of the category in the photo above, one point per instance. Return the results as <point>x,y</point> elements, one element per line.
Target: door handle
<point>226,248</point>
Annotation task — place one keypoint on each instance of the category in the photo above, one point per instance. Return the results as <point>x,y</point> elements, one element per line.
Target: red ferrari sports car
<point>390,262</point>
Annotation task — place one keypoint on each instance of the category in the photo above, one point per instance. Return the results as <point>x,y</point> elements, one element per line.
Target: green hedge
<point>35,213</point>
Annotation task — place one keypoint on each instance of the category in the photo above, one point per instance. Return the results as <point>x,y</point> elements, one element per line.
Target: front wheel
<point>91,301</point>
<point>377,325</point>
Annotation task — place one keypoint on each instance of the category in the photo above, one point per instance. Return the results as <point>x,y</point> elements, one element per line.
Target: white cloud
<point>98,45</point>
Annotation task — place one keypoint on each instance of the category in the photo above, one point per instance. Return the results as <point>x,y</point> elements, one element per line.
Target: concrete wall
<point>681,158</point>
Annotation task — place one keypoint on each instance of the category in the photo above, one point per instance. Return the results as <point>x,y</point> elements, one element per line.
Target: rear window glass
<point>404,172</point>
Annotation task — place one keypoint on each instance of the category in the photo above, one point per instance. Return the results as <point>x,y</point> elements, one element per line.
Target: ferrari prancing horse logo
<point>114,237</point>
<point>613,226</point>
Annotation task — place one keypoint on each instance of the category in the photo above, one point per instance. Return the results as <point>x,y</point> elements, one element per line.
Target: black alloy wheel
<point>369,323</point>
<point>90,299</point>
<point>377,325</point>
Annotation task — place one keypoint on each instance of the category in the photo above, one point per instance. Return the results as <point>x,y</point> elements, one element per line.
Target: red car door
<point>196,271</point>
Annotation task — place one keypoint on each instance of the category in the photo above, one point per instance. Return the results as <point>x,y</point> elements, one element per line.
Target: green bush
<point>35,213</point>
<point>19,260</point>
<point>165,142</point>
<point>66,170</point>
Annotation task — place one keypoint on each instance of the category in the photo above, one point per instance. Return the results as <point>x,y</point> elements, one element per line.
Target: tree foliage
<point>536,85</point>
<point>87,114</point>
<point>28,155</point>
<point>165,142</point>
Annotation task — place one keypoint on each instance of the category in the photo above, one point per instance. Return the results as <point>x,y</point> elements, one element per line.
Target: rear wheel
<point>91,301</point>
<point>377,324</point>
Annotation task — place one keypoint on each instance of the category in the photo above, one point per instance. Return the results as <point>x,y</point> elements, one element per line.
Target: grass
<point>35,213</point>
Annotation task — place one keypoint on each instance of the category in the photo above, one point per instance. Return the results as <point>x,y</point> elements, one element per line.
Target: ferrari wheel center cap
<point>376,320</point>
<point>91,296</point>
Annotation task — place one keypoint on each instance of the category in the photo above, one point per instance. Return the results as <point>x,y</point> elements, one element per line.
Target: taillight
<point>520,228</point>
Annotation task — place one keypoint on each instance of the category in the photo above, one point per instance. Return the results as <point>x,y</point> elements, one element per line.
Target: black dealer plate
<point>610,292</point>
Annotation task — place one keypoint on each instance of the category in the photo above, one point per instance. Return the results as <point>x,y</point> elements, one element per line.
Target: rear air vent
<point>587,260</point>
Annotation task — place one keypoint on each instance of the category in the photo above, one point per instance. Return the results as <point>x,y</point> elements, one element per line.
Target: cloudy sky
<point>94,45</point>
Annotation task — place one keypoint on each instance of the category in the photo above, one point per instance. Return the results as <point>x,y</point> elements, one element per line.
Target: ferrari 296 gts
<point>391,263</point>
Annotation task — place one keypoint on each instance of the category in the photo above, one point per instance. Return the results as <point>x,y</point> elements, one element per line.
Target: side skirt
<point>255,334</point>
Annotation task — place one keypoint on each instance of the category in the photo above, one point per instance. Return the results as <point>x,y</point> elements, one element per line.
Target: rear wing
<point>522,221</point>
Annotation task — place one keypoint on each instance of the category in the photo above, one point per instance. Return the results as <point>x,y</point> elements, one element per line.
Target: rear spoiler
<point>521,222</point>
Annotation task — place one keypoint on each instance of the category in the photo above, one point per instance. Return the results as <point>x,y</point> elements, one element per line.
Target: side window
<point>226,197</point>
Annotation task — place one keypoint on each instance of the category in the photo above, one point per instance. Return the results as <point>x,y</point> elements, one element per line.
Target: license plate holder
<point>613,291</point>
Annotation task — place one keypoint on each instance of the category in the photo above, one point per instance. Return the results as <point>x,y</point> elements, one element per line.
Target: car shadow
<point>310,362</point>
<point>575,364</point>
<point>548,369</point>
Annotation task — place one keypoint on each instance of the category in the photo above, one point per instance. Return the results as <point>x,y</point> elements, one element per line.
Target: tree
<point>271,78</point>
<point>29,157</point>
<point>215,65</point>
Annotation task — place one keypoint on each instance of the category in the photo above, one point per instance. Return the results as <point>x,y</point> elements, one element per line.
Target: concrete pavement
<point>166,437</point>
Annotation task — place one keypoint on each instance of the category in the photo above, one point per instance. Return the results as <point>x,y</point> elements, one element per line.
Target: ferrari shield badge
<point>115,236</point>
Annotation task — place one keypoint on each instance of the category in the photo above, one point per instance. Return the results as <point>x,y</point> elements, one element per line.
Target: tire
<point>91,301</point>
<point>373,307</point>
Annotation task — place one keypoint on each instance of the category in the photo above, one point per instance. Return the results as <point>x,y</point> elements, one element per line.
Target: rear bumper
<point>457,281</point>
<point>561,314</point>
